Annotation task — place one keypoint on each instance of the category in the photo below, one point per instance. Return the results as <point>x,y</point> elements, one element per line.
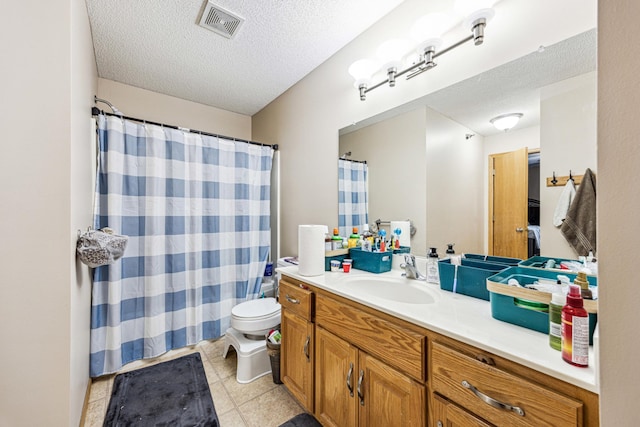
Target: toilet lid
<point>256,308</point>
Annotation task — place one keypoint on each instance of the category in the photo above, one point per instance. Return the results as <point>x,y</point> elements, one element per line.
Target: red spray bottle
<point>575,329</point>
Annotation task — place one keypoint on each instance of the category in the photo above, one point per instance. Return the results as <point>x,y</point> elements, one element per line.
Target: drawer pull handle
<point>292,300</point>
<point>485,359</point>
<point>360,392</point>
<point>491,401</point>
<point>349,374</point>
<point>306,347</point>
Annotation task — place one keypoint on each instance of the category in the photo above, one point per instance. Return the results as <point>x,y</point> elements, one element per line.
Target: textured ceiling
<point>158,45</point>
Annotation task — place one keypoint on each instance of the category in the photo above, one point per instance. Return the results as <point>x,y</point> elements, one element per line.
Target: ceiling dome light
<point>506,121</point>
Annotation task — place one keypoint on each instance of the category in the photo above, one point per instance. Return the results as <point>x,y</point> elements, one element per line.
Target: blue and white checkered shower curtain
<point>353,205</point>
<point>196,209</point>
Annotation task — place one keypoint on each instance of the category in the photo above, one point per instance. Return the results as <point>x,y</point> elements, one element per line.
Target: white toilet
<point>250,322</point>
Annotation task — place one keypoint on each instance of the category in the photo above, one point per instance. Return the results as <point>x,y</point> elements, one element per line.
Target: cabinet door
<point>387,397</point>
<point>296,365</point>
<point>337,375</point>
<point>448,414</point>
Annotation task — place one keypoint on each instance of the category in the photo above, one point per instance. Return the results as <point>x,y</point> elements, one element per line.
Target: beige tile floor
<point>261,403</point>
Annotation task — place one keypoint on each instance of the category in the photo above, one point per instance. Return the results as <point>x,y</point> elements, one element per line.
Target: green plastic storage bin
<point>373,262</point>
<point>516,311</point>
<point>471,279</point>
<point>494,259</point>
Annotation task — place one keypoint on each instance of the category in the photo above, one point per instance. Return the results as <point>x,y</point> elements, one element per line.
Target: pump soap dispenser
<point>433,275</point>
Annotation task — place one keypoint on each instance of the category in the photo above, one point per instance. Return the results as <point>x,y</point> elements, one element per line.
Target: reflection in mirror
<point>352,195</point>
<point>428,160</point>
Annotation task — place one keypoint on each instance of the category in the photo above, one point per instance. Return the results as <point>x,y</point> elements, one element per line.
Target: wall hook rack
<point>560,181</point>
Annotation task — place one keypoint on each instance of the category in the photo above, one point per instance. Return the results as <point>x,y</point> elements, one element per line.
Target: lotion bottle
<point>575,329</point>
<point>558,301</point>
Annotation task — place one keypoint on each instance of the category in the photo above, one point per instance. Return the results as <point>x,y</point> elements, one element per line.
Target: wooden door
<point>387,397</point>
<point>508,196</point>
<point>336,379</point>
<point>448,414</point>
<point>296,365</point>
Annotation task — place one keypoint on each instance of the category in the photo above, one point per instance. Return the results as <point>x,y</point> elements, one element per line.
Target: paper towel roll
<point>405,231</point>
<point>311,250</point>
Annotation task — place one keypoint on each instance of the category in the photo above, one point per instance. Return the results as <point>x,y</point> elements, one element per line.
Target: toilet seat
<point>256,317</point>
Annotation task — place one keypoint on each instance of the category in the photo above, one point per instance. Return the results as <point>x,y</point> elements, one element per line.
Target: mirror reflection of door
<point>508,204</point>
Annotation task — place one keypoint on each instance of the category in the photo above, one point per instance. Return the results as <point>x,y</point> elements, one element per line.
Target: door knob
<point>519,229</point>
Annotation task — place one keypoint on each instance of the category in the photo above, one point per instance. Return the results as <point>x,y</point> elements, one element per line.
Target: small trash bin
<point>273,350</point>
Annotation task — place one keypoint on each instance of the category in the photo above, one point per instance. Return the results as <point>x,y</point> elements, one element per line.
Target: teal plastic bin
<point>494,259</point>
<point>517,311</point>
<point>373,262</point>
<point>541,261</point>
<point>471,277</point>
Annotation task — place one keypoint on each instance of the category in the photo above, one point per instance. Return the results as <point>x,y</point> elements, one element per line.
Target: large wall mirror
<point>428,161</point>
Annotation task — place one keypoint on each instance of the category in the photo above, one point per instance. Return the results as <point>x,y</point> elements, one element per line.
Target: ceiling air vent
<point>220,21</point>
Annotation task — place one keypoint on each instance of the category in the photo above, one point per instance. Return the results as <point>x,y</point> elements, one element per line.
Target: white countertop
<point>465,319</point>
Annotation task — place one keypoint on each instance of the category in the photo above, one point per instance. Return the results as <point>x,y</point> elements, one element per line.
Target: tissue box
<point>471,279</point>
<point>517,306</point>
<point>338,255</point>
<point>373,262</point>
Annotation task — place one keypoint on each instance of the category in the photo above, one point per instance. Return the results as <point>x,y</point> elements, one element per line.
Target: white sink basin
<point>397,289</point>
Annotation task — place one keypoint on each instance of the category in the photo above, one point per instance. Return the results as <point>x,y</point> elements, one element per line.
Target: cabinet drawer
<point>293,296</point>
<point>391,343</point>
<point>498,396</point>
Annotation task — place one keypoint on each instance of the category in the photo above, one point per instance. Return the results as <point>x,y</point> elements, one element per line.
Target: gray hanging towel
<point>579,227</point>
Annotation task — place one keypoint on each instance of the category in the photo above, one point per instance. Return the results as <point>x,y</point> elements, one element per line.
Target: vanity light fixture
<point>427,40</point>
<point>506,121</point>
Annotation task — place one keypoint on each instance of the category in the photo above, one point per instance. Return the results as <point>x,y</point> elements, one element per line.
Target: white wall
<point>618,207</point>
<point>567,143</point>
<point>395,153</point>
<point>454,197</point>
<point>44,297</point>
<point>145,104</point>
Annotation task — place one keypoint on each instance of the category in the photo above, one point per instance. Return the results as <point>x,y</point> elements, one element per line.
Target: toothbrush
<point>455,278</point>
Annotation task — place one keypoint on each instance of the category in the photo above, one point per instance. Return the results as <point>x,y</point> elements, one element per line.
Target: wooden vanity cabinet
<point>356,388</point>
<point>297,349</point>
<point>501,392</point>
<point>351,365</point>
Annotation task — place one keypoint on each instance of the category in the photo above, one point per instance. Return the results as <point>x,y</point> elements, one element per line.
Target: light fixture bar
<point>416,67</point>
<point>427,33</point>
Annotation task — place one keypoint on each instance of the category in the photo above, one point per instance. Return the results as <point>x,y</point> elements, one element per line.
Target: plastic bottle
<point>354,238</point>
<point>328,243</point>
<point>581,280</point>
<point>450,252</point>
<point>575,329</point>
<point>433,276</point>
<point>336,240</point>
<point>555,320</point>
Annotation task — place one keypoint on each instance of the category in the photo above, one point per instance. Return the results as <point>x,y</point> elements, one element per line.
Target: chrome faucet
<point>410,269</point>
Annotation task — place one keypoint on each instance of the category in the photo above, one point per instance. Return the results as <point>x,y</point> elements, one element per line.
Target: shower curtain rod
<point>96,111</point>
<point>355,161</point>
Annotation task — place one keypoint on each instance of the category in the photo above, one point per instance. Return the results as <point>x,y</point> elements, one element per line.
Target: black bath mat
<point>173,393</point>
<point>302,420</point>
